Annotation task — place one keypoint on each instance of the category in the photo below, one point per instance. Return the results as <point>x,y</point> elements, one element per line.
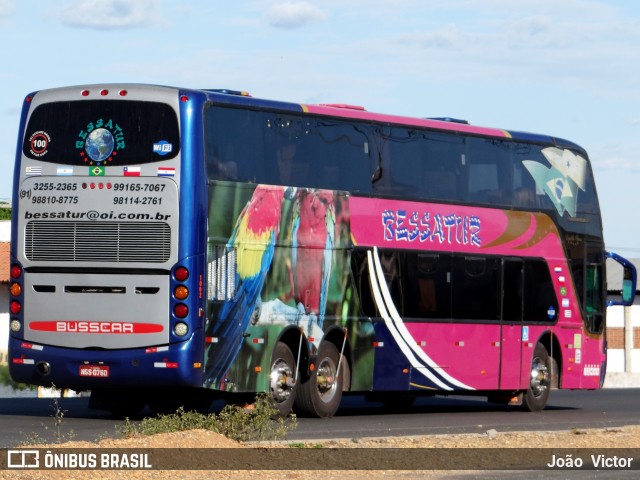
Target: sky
<point>567,68</point>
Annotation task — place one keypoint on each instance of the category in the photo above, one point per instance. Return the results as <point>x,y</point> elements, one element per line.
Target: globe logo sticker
<point>100,141</point>
<point>99,145</point>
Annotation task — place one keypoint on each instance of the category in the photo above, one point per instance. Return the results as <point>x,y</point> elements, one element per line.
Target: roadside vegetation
<point>5,213</point>
<point>6,380</point>
<point>260,422</point>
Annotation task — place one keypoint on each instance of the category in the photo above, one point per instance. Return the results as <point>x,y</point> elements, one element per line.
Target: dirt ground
<point>622,437</point>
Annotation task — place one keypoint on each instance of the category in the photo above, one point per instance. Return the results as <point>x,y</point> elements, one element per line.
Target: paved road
<point>25,419</point>
<point>436,415</point>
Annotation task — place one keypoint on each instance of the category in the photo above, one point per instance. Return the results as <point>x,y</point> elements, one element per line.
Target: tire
<point>321,394</point>
<point>282,379</point>
<point>536,396</point>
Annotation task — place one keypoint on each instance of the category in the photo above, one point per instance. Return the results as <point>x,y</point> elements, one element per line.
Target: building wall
<point>616,337</point>
<point>5,238</point>
<point>4,323</point>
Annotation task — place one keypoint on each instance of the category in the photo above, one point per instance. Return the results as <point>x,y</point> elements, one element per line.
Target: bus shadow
<point>359,406</point>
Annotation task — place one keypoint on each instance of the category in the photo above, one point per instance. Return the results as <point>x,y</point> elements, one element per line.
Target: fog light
<point>181,329</point>
<point>16,326</point>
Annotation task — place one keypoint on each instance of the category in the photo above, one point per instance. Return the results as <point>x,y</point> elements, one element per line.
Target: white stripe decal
<point>392,329</point>
<point>402,329</point>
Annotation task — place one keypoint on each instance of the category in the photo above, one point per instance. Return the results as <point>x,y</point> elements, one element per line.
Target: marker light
<point>181,329</point>
<point>181,292</point>
<point>16,326</point>
<point>104,92</point>
<point>15,308</point>
<point>16,271</point>
<point>85,93</point>
<point>180,310</point>
<point>181,274</point>
<point>15,289</point>
<point>123,93</point>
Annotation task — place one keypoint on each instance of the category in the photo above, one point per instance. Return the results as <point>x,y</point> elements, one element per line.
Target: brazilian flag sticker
<point>97,171</point>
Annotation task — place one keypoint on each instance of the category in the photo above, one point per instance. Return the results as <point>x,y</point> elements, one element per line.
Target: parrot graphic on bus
<point>257,233</point>
<point>254,237</point>
<point>312,238</point>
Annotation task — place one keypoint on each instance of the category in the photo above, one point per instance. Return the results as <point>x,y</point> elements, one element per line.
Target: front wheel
<point>535,397</point>
<point>321,394</point>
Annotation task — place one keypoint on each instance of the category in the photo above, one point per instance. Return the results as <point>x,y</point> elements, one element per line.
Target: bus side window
<point>360,271</point>
<point>489,173</point>
<point>443,157</point>
<point>338,155</point>
<point>540,302</point>
<point>475,288</point>
<point>427,286</point>
<point>512,289</point>
<point>439,185</point>
<point>392,268</point>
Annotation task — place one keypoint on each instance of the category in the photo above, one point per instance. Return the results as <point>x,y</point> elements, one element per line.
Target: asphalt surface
<point>26,419</point>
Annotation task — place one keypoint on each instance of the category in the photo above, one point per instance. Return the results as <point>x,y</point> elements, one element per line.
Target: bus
<point>173,246</point>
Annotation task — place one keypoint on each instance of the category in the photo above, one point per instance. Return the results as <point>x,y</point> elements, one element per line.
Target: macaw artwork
<point>297,226</point>
<point>313,232</point>
<point>254,237</point>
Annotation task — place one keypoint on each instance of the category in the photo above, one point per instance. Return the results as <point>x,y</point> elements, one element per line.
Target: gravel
<point>623,437</point>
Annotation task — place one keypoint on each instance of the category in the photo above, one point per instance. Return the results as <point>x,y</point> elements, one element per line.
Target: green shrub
<point>241,424</point>
<point>5,379</point>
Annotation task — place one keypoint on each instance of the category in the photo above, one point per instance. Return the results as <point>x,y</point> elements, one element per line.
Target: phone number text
<point>137,200</point>
<point>139,187</point>
<point>56,200</point>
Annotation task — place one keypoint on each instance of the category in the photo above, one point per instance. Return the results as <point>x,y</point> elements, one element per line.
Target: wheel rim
<point>281,380</point>
<point>539,377</point>
<point>326,379</point>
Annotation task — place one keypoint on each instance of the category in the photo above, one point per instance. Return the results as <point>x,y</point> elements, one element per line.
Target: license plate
<point>96,371</point>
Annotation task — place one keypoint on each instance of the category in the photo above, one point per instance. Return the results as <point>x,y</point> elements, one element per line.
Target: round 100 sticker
<point>39,143</point>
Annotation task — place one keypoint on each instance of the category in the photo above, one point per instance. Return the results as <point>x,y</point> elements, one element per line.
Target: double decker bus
<point>170,246</point>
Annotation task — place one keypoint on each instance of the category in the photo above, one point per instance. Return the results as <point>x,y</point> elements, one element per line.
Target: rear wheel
<point>321,394</point>
<point>536,396</point>
<point>282,379</point>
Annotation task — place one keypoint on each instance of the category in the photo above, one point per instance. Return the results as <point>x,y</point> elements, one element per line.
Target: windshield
<point>102,132</point>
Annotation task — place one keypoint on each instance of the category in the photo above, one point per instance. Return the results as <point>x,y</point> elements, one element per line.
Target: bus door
<point>513,333</point>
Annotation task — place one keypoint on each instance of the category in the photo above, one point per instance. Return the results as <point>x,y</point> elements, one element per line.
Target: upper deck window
<point>363,157</point>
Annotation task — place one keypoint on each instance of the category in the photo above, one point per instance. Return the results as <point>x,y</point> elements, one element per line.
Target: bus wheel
<point>321,394</point>
<point>535,397</point>
<point>282,379</point>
